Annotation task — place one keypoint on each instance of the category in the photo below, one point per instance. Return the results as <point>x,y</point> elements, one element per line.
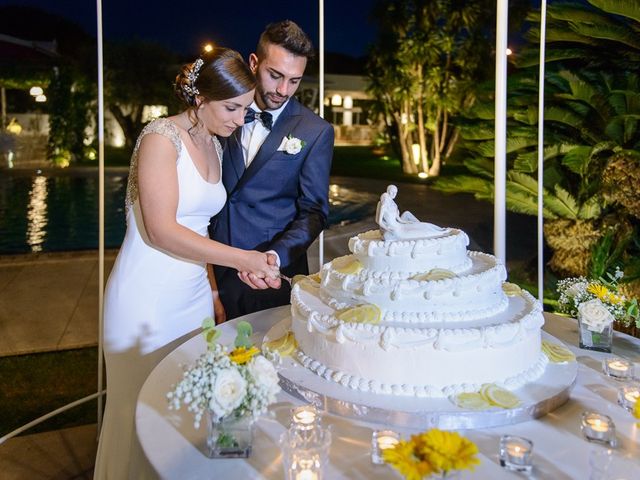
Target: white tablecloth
<point>173,446</point>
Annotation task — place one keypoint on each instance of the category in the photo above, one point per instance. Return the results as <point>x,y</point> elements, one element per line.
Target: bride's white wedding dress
<point>153,302</point>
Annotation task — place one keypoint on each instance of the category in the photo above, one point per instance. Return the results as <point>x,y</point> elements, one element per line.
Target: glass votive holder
<point>305,417</point>
<point>598,428</point>
<point>305,457</point>
<point>380,441</point>
<point>628,395</point>
<point>618,368</point>
<point>606,464</point>
<point>515,453</point>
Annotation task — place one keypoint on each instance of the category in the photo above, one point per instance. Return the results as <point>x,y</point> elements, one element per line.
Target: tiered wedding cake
<point>412,312</point>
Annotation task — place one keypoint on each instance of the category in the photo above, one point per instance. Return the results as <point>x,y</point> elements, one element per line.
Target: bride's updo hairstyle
<point>216,75</point>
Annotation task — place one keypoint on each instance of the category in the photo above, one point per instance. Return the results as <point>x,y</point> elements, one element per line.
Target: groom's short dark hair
<point>286,34</point>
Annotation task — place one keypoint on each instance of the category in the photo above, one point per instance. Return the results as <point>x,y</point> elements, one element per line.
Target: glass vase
<point>230,436</point>
<point>598,341</point>
<point>451,475</point>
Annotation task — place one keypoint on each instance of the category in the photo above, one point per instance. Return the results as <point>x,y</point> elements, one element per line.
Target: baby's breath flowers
<point>597,302</point>
<point>239,382</point>
<point>434,452</point>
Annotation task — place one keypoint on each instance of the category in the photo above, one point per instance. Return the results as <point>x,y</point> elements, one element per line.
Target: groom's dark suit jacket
<point>279,202</point>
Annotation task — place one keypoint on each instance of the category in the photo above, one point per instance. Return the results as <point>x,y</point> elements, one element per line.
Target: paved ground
<point>49,302</point>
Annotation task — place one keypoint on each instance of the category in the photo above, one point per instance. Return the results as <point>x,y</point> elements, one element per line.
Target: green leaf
<point>520,202</point>
<point>590,209</point>
<point>562,204</point>
<point>208,323</point>
<point>481,166</point>
<point>577,159</point>
<point>629,9</point>
<point>211,335</point>
<point>465,183</point>
<point>244,330</point>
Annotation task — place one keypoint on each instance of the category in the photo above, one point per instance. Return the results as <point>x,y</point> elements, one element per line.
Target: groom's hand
<point>259,283</point>
<point>262,283</point>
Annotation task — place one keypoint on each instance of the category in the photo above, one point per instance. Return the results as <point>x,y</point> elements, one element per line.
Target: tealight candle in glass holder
<point>515,453</point>
<point>617,368</point>
<point>628,395</point>
<point>598,428</point>
<point>305,457</point>
<point>305,417</point>
<point>380,441</point>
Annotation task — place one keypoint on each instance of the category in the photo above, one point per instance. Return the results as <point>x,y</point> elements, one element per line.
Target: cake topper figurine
<point>402,227</point>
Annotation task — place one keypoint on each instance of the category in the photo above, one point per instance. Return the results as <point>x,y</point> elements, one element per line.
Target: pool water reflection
<point>47,213</point>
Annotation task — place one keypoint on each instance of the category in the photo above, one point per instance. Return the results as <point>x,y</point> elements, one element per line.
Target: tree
<point>422,70</point>
<point>585,35</point>
<point>137,73</point>
<point>592,139</point>
<point>68,76</point>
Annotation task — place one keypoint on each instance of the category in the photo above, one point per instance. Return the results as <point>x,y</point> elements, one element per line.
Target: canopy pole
<point>543,35</point>
<point>500,173</point>
<point>100,207</point>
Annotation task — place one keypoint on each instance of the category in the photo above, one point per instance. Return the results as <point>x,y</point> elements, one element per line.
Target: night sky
<point>184,25</point>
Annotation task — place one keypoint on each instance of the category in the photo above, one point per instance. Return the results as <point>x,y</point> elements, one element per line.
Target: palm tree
<point>591,119</point>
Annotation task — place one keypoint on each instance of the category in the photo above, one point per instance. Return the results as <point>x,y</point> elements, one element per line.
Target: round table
<point>174,447</point>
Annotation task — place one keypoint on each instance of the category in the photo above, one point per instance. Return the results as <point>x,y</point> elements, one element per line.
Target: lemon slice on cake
<point>368,313</point>
<point>284,345</point>
<point>557,353</point>
<point>499,396</point>
<point>434,274</point>
<point>315,277</point>
<point>471,401</point>
<point>350,268</point>
<point>297,278</point>
<point>511,289</point>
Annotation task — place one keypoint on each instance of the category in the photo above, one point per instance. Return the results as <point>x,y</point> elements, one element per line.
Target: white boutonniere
<point>291,145</point>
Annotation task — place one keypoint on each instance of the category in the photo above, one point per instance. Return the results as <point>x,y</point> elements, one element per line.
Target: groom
<point>276,172</point>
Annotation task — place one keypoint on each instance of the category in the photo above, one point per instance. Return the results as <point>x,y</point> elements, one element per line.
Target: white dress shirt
<point>253,136</point>
<point>255,133</point>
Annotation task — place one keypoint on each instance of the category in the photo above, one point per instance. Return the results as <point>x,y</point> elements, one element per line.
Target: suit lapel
<point>287,121</point>
<point>233,167</point>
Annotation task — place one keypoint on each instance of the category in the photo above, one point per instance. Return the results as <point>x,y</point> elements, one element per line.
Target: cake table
<point>175,448</point>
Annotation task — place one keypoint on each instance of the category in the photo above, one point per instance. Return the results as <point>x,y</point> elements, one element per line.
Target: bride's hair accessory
<point>192,75</point>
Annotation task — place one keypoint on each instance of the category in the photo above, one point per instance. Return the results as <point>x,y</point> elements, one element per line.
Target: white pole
<point>500,180</point>
<point>543,35</point>
<point>100,206</point>
<point>321,101</point>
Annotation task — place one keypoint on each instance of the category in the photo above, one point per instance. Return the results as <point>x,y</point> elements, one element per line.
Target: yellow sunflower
<point>402,458</point>
<point>242,355</point>
<point>446,451</point>
<point>614,299</point>
<point>599,291</point>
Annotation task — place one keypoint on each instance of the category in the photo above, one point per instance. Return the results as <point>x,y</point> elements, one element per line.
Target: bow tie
<point>265,117</point>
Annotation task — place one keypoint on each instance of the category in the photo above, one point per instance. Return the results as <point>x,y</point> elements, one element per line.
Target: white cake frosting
<point>437,335</point>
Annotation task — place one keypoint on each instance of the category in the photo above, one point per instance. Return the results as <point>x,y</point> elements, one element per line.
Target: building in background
<point>347,106</point>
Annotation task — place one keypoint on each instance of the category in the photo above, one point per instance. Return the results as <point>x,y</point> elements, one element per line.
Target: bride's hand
<point>259,265</point>
<point>262,283</point>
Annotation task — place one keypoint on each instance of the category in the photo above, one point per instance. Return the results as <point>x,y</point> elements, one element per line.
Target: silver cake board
<point>538,398</point>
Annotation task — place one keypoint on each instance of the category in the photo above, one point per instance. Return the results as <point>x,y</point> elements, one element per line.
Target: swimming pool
<point>59,211</point>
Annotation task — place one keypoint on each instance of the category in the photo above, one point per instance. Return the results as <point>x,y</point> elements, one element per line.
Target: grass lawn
<point>362,162</point>
<point>33,385</point>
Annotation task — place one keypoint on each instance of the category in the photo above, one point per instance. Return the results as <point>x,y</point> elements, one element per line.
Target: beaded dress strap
<point>219,150</point>
<point>161,126</point>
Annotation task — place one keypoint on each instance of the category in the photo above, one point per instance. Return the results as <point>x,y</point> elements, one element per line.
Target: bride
<point>158,292</point>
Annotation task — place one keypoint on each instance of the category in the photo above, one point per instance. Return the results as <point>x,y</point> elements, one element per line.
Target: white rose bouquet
<point>597,303</point>
<point>239,382</point>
